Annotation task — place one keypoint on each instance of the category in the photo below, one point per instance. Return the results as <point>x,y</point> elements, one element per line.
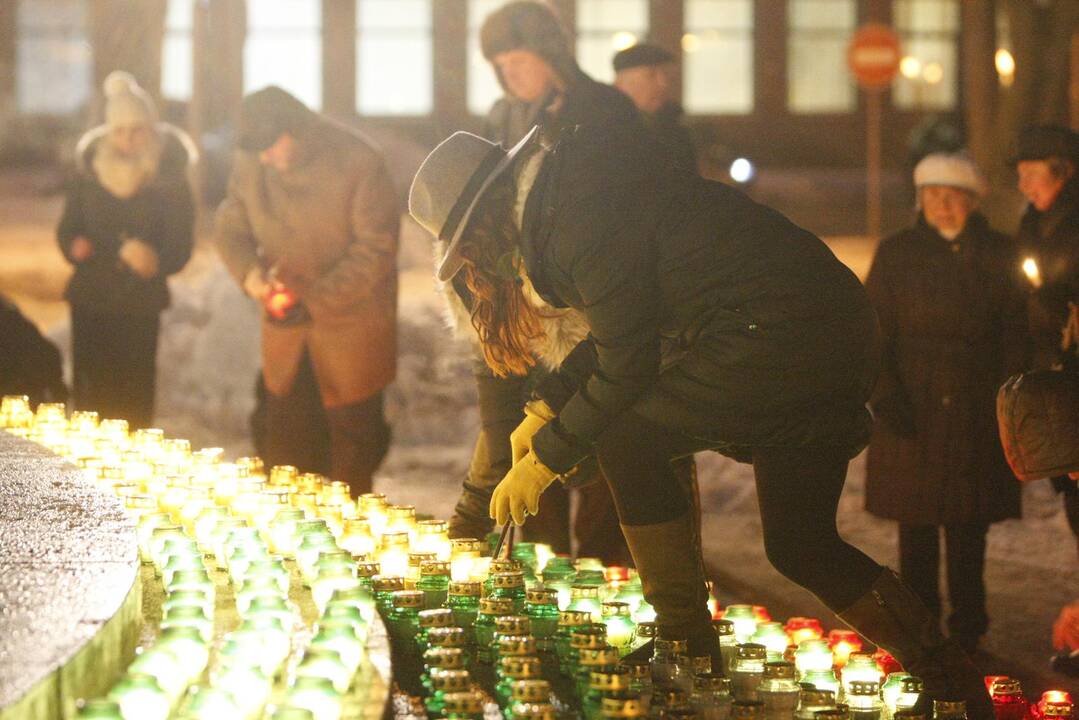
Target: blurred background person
<point>645,73</point>
<point>1038,415</point>
<point>1046,164</point>
<point>530,53</point>
<point>1048,238</point>
<point>29,363</point>
<point>949,297</point>
<point>128,223</point>
<point>309,229</point>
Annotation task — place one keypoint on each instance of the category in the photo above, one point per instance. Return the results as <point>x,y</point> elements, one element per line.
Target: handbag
<point>1038,419</point>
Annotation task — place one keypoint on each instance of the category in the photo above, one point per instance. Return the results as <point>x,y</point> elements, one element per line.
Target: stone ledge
<point>70,594</point>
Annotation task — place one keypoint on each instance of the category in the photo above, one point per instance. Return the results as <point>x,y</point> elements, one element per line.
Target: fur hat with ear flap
<point>528,25</point>
<point>955,170</point>
<point>126,103</point>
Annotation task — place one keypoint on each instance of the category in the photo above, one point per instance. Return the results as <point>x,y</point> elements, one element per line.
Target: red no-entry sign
<point>873,55</point>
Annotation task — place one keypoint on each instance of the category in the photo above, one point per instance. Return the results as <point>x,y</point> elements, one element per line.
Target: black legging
<point>797,488</point>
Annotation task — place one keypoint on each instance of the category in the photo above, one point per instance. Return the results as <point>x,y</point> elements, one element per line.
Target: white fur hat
<point>955,170</point>
<point>126,103</point>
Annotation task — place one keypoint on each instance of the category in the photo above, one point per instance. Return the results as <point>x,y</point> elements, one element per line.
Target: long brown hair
<point>504,319</point>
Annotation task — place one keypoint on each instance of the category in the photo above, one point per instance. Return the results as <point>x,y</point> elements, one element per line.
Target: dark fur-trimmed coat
<point>161,213</point>
<point>952,321</point>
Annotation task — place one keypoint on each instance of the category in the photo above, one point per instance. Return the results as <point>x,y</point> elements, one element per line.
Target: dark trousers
<point>797,488</point>
<point>115,361</point>
<point>347,443</point>
<point>919,566</point>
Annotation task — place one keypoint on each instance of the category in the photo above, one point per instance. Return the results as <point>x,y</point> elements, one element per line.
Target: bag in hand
<point>1038,417</point>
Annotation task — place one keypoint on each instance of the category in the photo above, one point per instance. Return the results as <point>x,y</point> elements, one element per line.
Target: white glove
<point>140,257</point>
<point>255,284</point>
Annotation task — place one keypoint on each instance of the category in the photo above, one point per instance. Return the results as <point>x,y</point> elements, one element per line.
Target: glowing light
<point>933,73</point>
<point>910,67</point>
<point>742,170</point>
<point>690,43</point>
<point>622,40</point>
<point>1033,273</point>
<point>1005,64</point>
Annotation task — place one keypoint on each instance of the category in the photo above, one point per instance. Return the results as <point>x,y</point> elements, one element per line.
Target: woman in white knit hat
<point>127,225</point>
<point>948,295</point>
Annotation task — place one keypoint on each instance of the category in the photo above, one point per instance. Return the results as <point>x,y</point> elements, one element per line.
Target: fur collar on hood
<point>167,161</point>
<point>563,329</point>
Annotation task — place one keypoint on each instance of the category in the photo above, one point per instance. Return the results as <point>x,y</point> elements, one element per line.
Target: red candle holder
<point>803,628</point>
<point>843,643</point>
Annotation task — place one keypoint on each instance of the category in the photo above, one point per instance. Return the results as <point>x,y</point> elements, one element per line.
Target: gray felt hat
<point>449,185</point>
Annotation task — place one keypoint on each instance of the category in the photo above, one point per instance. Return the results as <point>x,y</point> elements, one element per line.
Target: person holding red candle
<point>309,229</point>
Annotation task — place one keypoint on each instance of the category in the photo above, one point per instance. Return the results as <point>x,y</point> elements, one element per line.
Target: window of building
<point>929,73</point>
<point>718,60</point>
<point>818,32</point>
<point>483,87</point>
<point>394,54</point>
<point>177,60</point>
<point>603,28</point>
<point>284,48</point>
<point>53,57</point>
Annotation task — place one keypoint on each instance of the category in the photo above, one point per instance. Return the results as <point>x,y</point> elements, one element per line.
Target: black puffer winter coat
<point>708,312</point>
<point>161,214</point>
<point>953,323</point>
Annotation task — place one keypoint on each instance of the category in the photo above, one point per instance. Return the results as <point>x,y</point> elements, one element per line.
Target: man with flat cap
<point>644,72</point>
<point>309,229</point>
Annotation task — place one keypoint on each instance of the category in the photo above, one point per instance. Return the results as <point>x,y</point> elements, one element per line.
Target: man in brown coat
<point>309,228</point>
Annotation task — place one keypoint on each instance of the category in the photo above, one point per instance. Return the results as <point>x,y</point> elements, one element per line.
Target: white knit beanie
<point>955,170</point>
<point>126,103</point>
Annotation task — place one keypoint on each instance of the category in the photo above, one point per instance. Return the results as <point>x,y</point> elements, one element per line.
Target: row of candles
<point>196,513</point>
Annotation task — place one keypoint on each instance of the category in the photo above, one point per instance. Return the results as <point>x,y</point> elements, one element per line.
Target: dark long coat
<point>952,321</point>
<point>708,312</point>
<point>1052,238</point>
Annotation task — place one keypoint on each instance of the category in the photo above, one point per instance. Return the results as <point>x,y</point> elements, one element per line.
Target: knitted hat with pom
<point>126,103</point>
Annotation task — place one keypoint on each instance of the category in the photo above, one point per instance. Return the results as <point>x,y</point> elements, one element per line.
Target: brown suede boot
<point>668,559</point>
<point>893,617</point>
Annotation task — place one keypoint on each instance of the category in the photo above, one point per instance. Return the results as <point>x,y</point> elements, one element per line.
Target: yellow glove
<point>537,414</point>
<point>518,493</point>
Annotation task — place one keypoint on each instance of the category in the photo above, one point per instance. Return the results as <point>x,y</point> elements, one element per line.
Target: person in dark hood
<point>128,223</point>
<point>644,73</point>
<point>530,53</point>
<point>715,324</point>
<point>950,299</point>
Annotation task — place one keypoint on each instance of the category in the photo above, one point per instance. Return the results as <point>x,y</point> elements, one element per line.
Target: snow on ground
<point>208,360</point>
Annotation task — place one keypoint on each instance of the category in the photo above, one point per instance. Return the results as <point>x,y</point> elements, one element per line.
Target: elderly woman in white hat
<point>715,324</point>
<point>128,224</point>
<point>948,292</point>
